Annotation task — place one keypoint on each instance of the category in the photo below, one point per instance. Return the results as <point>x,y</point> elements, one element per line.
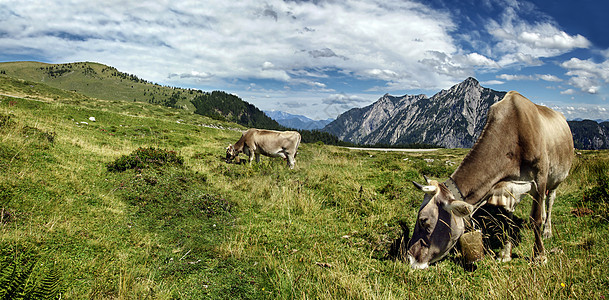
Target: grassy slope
<point>209,229</point>
<point>94,80</point>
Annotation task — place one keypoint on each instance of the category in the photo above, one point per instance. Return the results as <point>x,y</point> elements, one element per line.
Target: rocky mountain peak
<point>450,118</point>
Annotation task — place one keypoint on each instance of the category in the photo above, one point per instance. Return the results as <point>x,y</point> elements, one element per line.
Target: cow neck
<point>239,145</point>
<point>483,167</point>
<point>454,189</point>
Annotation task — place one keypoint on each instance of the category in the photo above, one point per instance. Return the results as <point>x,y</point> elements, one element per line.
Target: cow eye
<point>424,223</point>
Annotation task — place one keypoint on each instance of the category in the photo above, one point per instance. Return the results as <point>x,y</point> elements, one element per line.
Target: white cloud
<point>234,39</point>
<point>476,59</point>
<point>587,75</point>
<point>510,77</point>
<point>583,111</point>
<point>549,77</point>
<point>523,42</point>
<point>568,92</point>
<point>342,99</point>
<point>493,82</point>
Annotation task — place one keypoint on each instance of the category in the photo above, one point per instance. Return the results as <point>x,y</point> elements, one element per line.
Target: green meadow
<point>139,204</point>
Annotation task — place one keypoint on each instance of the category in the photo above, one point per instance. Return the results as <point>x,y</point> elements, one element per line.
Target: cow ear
<point>459,208</point>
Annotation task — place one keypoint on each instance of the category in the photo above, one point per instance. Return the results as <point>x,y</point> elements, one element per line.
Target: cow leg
<point>505,254</point>
<point>291,161</point>
<point>257,157</point>
<point>252,154</point>
<point>547,225</point>
<point>537,220</point>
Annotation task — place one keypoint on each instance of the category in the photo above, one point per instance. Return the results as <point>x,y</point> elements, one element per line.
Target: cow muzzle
<point>415,265</point>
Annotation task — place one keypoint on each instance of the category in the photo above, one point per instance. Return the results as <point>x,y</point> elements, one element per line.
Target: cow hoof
<point>504,259</point>
<point>540,260</point>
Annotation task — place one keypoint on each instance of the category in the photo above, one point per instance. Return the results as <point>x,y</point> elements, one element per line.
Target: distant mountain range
<point>590,135</point>
<point>296,121</point>
<point>452,118</point>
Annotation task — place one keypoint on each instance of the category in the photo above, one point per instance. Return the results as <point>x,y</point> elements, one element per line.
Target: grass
<point>96,80</point>
<point>207,229</point>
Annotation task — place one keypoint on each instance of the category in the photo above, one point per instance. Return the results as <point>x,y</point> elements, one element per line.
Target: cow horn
<point>426,179</point>
<point>418,185</point>
<point>428,189</point>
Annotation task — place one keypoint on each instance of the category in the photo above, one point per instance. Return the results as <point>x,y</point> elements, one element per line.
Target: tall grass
<point>207,229</point>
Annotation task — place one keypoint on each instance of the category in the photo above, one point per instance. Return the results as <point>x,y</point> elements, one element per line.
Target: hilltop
<point>107,83</point>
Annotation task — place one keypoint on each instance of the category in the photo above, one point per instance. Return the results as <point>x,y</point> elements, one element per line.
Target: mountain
<point>452,118</point>
<point>103,82</point>
<point>596,120</point>
<point>590,135</point>
<point>296,121</point>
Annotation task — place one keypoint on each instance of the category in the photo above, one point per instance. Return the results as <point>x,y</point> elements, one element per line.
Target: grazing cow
<point>524,148</point>
<point>271,143</point>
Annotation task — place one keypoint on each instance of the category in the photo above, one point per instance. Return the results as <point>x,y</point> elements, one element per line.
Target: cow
<point>523,148</point>
<point>271,143</point>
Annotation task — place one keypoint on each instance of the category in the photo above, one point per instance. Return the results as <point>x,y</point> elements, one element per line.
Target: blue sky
<point>319,58</point>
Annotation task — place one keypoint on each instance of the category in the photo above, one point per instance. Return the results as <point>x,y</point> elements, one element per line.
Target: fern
<point>20,279</point>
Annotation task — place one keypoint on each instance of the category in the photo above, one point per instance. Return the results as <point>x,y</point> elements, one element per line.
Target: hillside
<point>139,204</point>
<point>107,83</point>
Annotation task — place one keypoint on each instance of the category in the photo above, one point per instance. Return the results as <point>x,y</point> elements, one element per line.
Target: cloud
<point>193,74</point>
<point>343,99</point>
<point>545,77</point>
<point>567,92</point>
<point>476,59</point>
<point>509,77</point>
<point>493,82</point>
<point>590,112</point>
<point>519,41</point>
<point>232,39</point>
<point>549,77</point>
<point>587,75</point>
<point>325,52</point>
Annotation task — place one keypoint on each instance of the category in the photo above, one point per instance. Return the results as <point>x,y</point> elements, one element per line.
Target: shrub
<point>143,158</point>
<point>5,121</point>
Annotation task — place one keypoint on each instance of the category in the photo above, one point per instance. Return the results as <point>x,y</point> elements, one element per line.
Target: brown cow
<point>271,143</point>
<point>523,148</point>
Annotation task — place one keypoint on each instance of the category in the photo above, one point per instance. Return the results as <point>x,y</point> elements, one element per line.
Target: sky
<point>320,58</point>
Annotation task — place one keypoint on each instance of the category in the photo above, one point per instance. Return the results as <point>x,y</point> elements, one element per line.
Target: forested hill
<point>221,105</point>
<point>107,83</point>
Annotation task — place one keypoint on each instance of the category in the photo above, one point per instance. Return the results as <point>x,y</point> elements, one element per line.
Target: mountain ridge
<point>296,121</point>
<point>452,118</point>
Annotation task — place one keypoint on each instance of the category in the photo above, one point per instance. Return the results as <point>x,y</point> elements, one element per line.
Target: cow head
<point>231,153</point>
<point>439,225</point>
